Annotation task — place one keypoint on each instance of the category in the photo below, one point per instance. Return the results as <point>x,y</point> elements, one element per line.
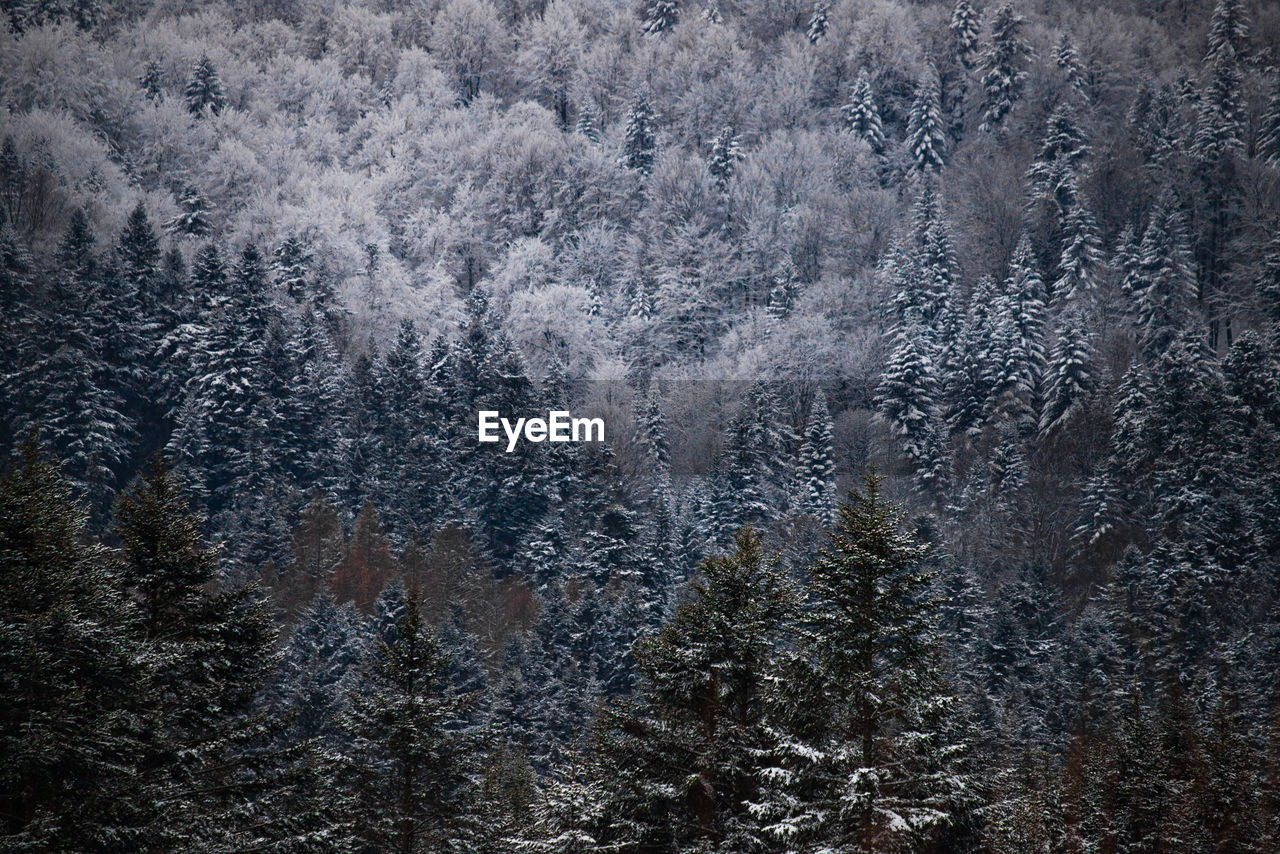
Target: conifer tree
<point>1081,254</point>
<point>193,220</point>
<point>1165,280</point>
<point>873,754</point>
<point>638,149</point>
<point>660,16</point>
<point>726,154</point>
<point>408,768</point>
<point>1070,375</point>
<point>1067,59</point>
<point>926,139</point>
<point>152,81</point>
<point>204,89</point>
<point>861,115</point>
<point>1269,130</point>
<point>964,33</point>
<point>908,398</point>
<point>818,22</point>
<point>816,475</point>
<point>1003,66</point>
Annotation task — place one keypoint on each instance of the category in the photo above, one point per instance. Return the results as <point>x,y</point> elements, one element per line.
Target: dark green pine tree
<point>926,138</point>
<point>684,755</point>
<point>640,143</point>
<point>872,754</point>
<point>205,769</point>
<point>1003,67</point>
<point>193,219</point>
<point>861,115</point>
<point>72,671</point>
<point>408,769</point>
<point>204,89</point>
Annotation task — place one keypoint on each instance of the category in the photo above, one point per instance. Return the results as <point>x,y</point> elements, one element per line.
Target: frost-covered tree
<point>660,16</point>
<point>926,138</point>
<point>1068,61</point>
<point>1003,66</point>
<point>726,154</point>
<point>204,89</point>
<point>908,397</point>
<point>964,32</point>
<point>1165,281</point>
<point>861,115</point>
<point>1269,128</point>
<point>638,147</point>
<point>816,472</point>
<point>152,81</point>
<point>193,219</point>
<point>1070,375</point>
<point>818,22</point>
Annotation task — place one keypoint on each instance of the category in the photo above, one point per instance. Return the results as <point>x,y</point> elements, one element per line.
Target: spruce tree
<point>818,22</point>
<point>152,81</point>
<point>660,16</point>
<point>816,474</point>
<point>726,154</point>
<point>1003,66</point>
<point>873,752</point>
<point>861,115</point>
<point>1165,280</point>
<point>1269,130</point>
<point>407,769</point>
<point>638,148</point>
<point>926,139</point>
<point>964,33</point>
<point>193,220</point>
<point>1068,61</point>
<point>1070,375</point>
<point>204,89</point>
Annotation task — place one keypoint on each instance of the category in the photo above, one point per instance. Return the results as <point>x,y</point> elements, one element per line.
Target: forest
<point>938,345</point>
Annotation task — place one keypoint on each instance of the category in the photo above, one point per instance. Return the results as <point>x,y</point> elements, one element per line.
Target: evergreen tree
<point>1003,71</point>
<point>926,139</point>
<point>152,81</point>
<point>685,754</point>
<point>74,676</point>
<point>204,89</point>
<point>964,33</point>
<point>193,220</point>
<point>1165,280</point>
<point>861,115</point>
<point>1228,27</point>
<point>1081,255</point>
<point>1070,376</point>
<point>1068,61</point>
<point>816,475</point>
<point>818,22</point>
<point>908,398</point>
<point>1269,130</point>
<point>408,768</point>
<point>638,149</point>
<point>726,154</point>
<point>873,756</point>
<point>660,16</point>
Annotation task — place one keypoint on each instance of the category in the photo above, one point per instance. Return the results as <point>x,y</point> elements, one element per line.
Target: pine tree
<point>317,670</point>
<point>586,125</point>
<point>1219,131</point>
<point>726,154</point>
<point>1165,280</point>
<point>407,768</point>
<point>861,115</point>
<point>964,33</point>
<point>685,752</point>
<point>193,220</point>
<point>204,89</point>
<point>1269,130</point>
<point>871,755</point>
<point>816,475</point>
<point>1228,28</point>
<point>638,149</point>
<point>75,678</point>
<point>1057,166</point>
<point>1081,254</point>
<point>926,139</point>
<point>1067,59</point>
<point>1003,66</point>
<point>908,398</point>
<point>660,16</point>
<point>1070,376</point>
<point>152,81</point>
<point>291,268</point>
<point>818,22</point>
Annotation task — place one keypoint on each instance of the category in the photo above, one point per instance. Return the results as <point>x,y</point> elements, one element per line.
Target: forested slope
<point>261,264</point>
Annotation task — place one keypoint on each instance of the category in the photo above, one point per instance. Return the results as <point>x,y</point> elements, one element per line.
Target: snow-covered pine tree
<point>726,154</point>
<point>152,81</point>
<point>926,138</point>
<point>204,89</point>
<point>861,115</point>
<point>408,769</point>
<point>1068,61</point>
<point>660,16</point>
<point>638,148</point>
<point>1003,66</point>
<point>193,219</point>
<point>1228,27</point>
<point>1269,128</point>
<point>1070,375</point>
<point>818,22</point>
<point>816,472</point>
<point>1081,254</point>
<point>1166,280</point>
<point>1053,175</point>
<point>964,33</point>
<point>871,752</point>
<point>908,398</point>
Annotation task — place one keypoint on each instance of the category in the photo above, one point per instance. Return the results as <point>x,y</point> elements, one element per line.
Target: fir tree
<point>1081,254</point>
<point>1269,130</point>
<point>964,33</point>
<point>152,81</point>
<point>660,16</point>
<point>816,475</point>
<point>818,22</point>
<point>1165,281</point>
<point>204,89</point>
<point>908,398</point>
<point>1068,61</point>
<point>861,115</point>
<point>407,767</point>
<point>1070,375</point>
<point>1228,28</point>
<point>926,139</point>
<point>873,753</point>
<point>726,154</point>
<point>638,149</point>
<point>1003,71</point>
<point>193,220</point>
